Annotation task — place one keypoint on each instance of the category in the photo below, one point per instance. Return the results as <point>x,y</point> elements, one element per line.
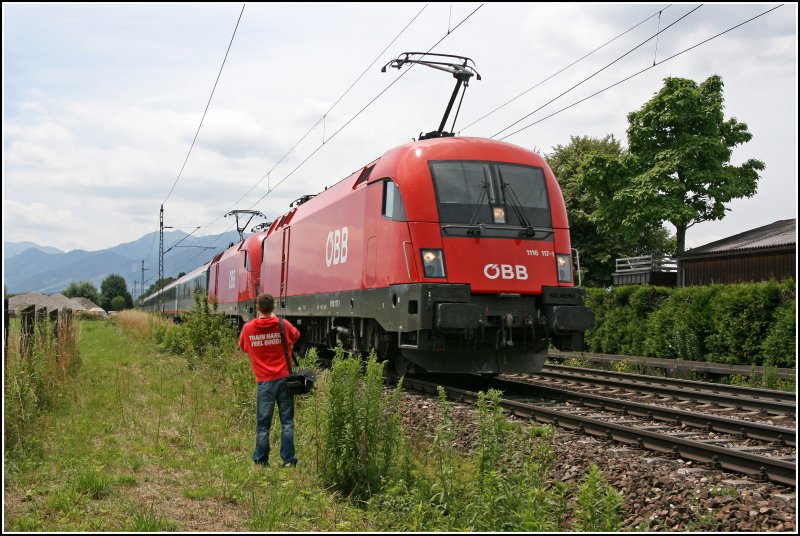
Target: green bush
<point>748,323</point>
<point>780,345</point>
<point>203,336</point>
<point>741,317</point>
<point>620,317</point>
<point>504,484</point>
<point>678,329</point>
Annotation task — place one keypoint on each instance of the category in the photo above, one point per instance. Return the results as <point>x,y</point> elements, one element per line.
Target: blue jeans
<point>269,393</point>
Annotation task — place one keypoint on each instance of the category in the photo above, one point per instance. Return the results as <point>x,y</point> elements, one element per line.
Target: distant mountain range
<point>12,249</point>
<point>33,268</point>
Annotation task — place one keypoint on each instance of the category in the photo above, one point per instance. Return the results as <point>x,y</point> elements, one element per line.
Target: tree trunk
<point>680,236</point>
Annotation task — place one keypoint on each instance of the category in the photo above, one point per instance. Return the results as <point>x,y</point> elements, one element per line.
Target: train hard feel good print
<point>446,255</point>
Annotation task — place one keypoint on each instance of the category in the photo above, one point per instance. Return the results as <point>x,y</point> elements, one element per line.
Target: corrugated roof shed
<point>780,234</point>
<point>86,302</point>
<point>54,302</point>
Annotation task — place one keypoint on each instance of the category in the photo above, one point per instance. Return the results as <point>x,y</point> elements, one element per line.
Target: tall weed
<point>141,324</point>
<point>36,369</point>
<point>598,504</point>
<point>361,432</point>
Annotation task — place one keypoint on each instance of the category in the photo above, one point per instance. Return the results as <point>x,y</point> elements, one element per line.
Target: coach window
<point>246,262</point>
<point>393,202</point>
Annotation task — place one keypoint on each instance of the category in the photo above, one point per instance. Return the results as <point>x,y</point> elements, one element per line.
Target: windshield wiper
<point>478,228</point>
<point>473,227</point>
<point>528,230</point>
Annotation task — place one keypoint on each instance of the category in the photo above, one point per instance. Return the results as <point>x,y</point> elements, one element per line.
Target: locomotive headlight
<point>564,265</point>
<point>499,214</point>
<point>433,262</point>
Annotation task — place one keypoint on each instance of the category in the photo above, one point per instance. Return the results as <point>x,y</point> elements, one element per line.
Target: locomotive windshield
<point>497,198</point>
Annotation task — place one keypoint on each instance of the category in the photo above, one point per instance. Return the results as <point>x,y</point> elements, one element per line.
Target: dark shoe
<point>289,464</point>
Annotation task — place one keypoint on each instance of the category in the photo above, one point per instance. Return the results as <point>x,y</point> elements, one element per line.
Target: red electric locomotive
<point>449,255</point>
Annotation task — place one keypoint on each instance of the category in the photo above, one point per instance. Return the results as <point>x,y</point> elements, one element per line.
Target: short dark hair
<point>265,303</point>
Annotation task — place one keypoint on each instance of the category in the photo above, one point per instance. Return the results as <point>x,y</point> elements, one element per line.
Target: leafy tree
<point>111,287</point>
<point>83,289</point>
<point>677,168</point>
<point>118,303</point>
<point>598,249</point>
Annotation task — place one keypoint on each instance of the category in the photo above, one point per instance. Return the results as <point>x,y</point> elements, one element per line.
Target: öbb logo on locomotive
<point>506,271</point>
<point>336,247</point>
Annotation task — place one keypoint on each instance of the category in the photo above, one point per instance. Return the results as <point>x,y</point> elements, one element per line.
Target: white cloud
<point>100,112</point>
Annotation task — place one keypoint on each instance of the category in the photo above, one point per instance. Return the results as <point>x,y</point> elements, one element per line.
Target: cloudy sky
<point>101,102</point>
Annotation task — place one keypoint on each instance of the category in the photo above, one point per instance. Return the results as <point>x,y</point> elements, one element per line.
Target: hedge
<point>747,323</point>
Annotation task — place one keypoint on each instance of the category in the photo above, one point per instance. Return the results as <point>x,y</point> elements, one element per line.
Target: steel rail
<point>707,422</point>
<point>776,408</point>
<point>775,470</point>
<point>674,364</point>
<point>738,390</point>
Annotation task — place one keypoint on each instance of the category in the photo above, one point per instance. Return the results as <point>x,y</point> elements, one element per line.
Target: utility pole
<point>142,284</point>
<point>161,256</point>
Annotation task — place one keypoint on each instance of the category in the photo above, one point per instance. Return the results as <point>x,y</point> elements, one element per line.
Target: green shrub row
<point>748,323</point>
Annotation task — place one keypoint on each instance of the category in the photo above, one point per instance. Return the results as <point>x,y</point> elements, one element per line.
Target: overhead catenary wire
<point>178,178</point>
<point>207,106</point>
<point>657,13</point>
<point>596,72</point>
<point>195,227</point>
<point>322,118</point>
<point>181,240</point>
<point>642,71</point>
<point>364,108</point>
<point>348,122</point>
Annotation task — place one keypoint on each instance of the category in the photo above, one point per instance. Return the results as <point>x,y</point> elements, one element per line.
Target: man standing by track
<point>261,340</point>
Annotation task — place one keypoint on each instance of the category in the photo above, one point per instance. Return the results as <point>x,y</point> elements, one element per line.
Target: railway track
<point>673,365</point>
<point>763,401</point>
<point>730,444</point>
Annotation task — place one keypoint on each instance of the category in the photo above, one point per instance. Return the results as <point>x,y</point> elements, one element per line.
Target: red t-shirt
<point>261,340</point>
